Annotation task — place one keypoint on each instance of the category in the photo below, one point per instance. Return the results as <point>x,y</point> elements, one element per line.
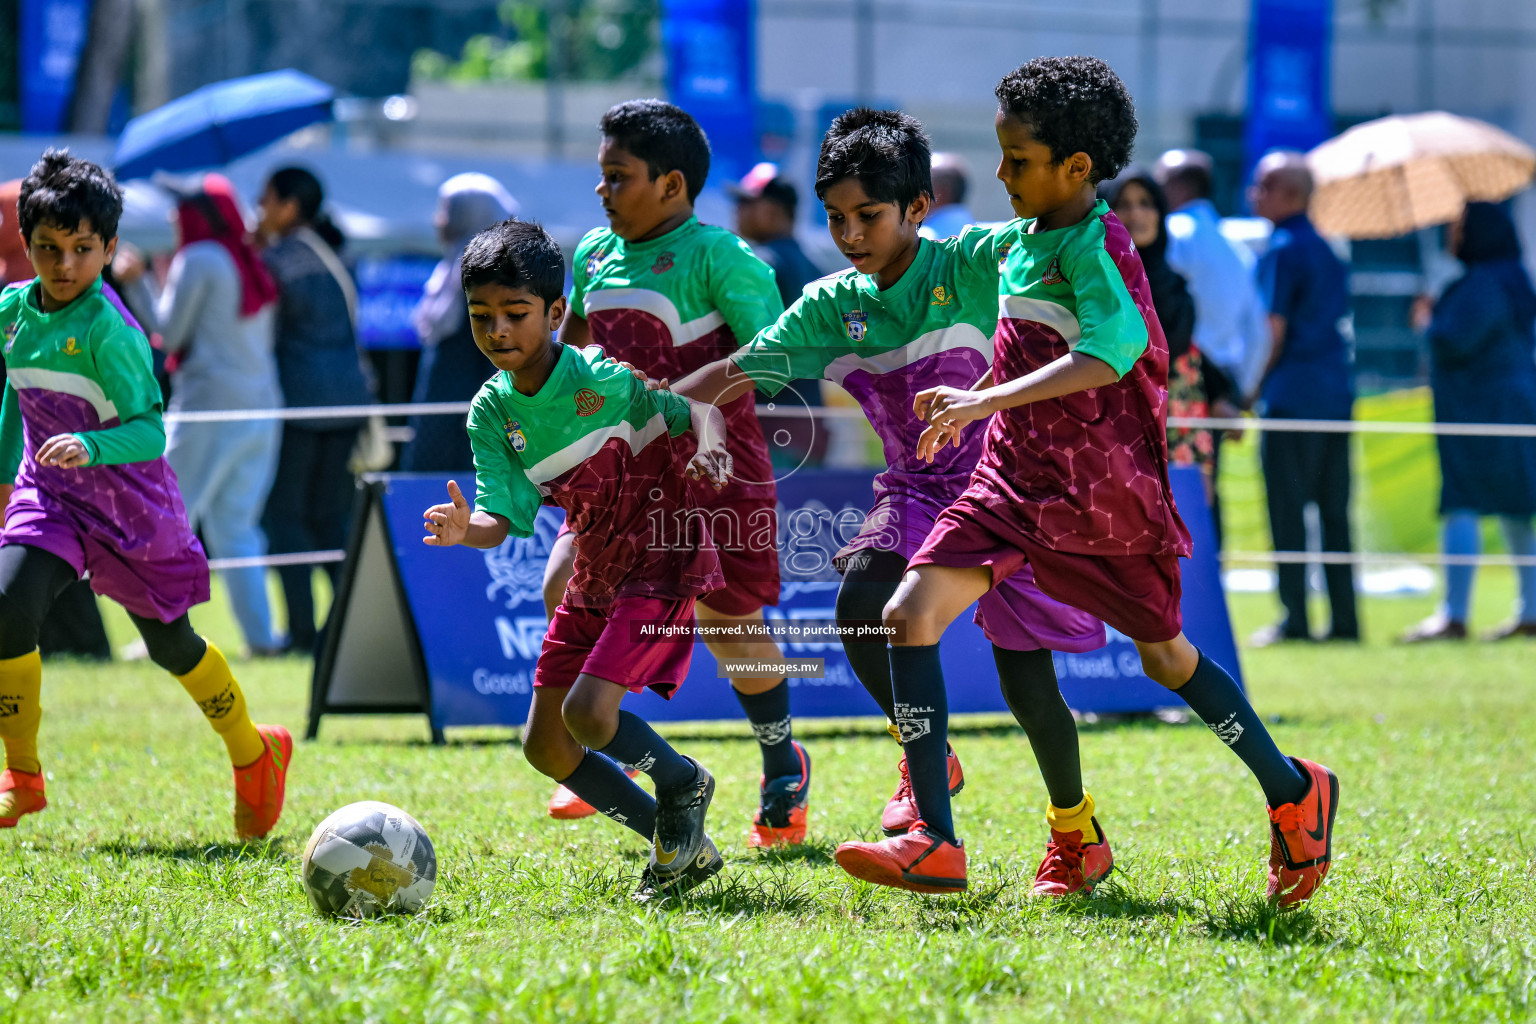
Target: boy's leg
<point>30,580</point>
<point>549,747</point>
<point>260,754</point>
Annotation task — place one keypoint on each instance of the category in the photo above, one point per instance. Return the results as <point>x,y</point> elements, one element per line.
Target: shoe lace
<point>775,808</point>
<point>1063,862</point>
<point>1287,817</point>
<point>904,787</point>
<point>672,811</point>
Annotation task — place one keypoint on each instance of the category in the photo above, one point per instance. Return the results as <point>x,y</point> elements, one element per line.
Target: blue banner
<point>388,289</point>
<point>480,615</point>
<point>51,36</point>
<point>712,73</point>
<point>1289,105</point>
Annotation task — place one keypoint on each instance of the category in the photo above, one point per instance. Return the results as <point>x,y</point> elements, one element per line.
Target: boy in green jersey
<point>86,488</point>
<point>668,294</point>
<point>563,426</point>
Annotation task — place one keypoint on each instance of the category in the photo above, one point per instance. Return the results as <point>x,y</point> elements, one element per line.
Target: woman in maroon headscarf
<point>215,319</point>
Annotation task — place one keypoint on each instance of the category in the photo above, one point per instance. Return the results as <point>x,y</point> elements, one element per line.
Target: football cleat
<point>680,834</point>
<point>901,810</point>
<point>1073,866</point>
<point>567,806</point>
<point>782,805</point>
<point>259,786</point>
<point>21,793</point>
<point>706,863</point>
<point>1301,838</point>
<point>919,861</point>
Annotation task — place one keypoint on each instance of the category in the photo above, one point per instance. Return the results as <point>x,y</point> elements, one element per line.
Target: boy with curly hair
<point>1072,481</point>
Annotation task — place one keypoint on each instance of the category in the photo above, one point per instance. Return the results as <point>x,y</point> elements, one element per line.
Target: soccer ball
<point>367,859</point>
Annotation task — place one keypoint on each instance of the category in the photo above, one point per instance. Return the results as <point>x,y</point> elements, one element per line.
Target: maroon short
<point>1135,594</point>
<point>597,642</point>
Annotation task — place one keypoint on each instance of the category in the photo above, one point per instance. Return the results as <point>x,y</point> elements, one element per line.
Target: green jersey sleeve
<point>800,344</point>
<point>1110,325</point>
<point>978,252</point>
<point>641,400</point>
<point>501,486</point>
<point>125,370</point>
<point>12,440</point>
<point>579,280</point>
<point>743,289</point>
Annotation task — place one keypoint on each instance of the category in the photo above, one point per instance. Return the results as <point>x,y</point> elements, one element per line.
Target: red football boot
<point>21,793</point>
<point>901,810</point>
<point>782,806</point>
<point>1301,838</point>
<point>1071,865</point>
<point>259,786</point>
<point>919,861</point>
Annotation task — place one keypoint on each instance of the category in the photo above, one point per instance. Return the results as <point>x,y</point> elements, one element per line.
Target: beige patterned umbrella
<point>1388,177</point>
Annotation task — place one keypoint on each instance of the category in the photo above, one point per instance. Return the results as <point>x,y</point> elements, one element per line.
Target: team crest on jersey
<point>71,348</point>
<point>663,263</point>
<point>1052,273</point>
<point>593,262</point>
<point>11,330</point>
<point>588,402</point>
<point>853,323</point>
<point>1002,253</point>
<point>515,436</point>
<point>941,296</point>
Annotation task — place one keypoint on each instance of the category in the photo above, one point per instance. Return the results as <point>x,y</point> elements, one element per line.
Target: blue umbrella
<point>218,123</point>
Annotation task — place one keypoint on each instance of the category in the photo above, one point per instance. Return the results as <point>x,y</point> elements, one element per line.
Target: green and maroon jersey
<point>1087,472</point>
<point>674,304</point>
<point>595,442</point>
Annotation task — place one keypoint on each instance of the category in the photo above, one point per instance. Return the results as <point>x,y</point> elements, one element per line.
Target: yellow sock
<point>21,711</point>
<point>1074,819</point>
<point>213,686</point>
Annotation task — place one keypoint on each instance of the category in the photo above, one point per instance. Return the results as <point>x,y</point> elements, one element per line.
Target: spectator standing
<point>215,318</point>
<point>452,368</point>
<point>1231,329</point>
<point>951,183</point>
<point>1483,370</point>
<point>1305,289</point>
<point>318,364</point>
<point>1139,203</point>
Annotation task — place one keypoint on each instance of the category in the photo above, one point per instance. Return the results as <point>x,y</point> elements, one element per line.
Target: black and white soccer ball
<point>366,859</point>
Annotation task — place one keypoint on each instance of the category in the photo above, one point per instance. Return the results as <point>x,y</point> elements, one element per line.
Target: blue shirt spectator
<point>1302,282</point>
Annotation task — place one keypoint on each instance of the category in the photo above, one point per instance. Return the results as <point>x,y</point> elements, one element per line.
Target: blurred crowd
<point>246,318</point>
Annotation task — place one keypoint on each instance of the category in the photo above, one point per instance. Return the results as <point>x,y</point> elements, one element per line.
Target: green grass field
<point>126,900</point>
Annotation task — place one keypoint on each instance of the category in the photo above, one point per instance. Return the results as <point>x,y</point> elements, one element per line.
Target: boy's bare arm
<point>719,383</point>
<point>575,332</point>
<point>1068,375</point>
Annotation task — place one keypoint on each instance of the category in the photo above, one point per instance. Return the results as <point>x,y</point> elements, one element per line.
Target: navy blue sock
<point>922,715</point>
<point>637,744</point>
<point>1215,696</point>
<point>603,784</point>
<point>768,714</point>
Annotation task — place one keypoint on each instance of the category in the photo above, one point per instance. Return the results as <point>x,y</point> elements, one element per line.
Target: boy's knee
<point>1162,666</point>
<point>586,721</point>
<point>914,624</point>
<point>548,755</point>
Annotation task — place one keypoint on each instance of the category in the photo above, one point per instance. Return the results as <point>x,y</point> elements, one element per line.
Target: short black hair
<point>886,150</point>
<point>518,254</point>
<point>1193,176</point>
<point>665,136</point>
<point>1074,105</point>
<point>63,190</point>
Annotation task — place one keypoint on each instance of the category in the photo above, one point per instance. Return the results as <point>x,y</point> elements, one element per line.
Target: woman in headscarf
<point>452,368</point>
<point>1138,201</point>
<point>1482,349</point>
<point>318,363</point>
<point>215,320</point>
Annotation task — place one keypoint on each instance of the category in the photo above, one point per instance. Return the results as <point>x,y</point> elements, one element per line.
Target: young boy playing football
<point>82,440</point>
<point>668,294</point>
<point>911,314</point>
<point>1072,480</point>
<point>568,427</point>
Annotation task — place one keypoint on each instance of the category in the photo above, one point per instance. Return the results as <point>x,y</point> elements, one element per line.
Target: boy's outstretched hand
<point>65,451</point>
<point>711,461</point>
<point>447,525</point>
<point>651,383</point>
<point>947,410</point>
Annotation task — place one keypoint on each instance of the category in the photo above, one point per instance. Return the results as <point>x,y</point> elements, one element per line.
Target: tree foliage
<point>604,40</point>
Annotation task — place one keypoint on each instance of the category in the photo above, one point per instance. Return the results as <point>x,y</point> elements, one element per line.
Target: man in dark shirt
<point>1305,289</point>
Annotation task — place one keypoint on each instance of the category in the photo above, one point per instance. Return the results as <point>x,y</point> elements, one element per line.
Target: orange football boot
<point>919,861</point>
<point>901,810</point>
<point>21,793</point>
<point>260,785</point>
<point>1301,838</point>
<point>782,806</point>
<point>567,806</point>
<point>1071,865</point>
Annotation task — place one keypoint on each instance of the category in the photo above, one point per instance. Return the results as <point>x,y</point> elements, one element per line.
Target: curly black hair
<point>665,136</point>
<point>886,150</point>
<point>1074,105</point>
<point>63,190</point>
<point>518,254</point>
